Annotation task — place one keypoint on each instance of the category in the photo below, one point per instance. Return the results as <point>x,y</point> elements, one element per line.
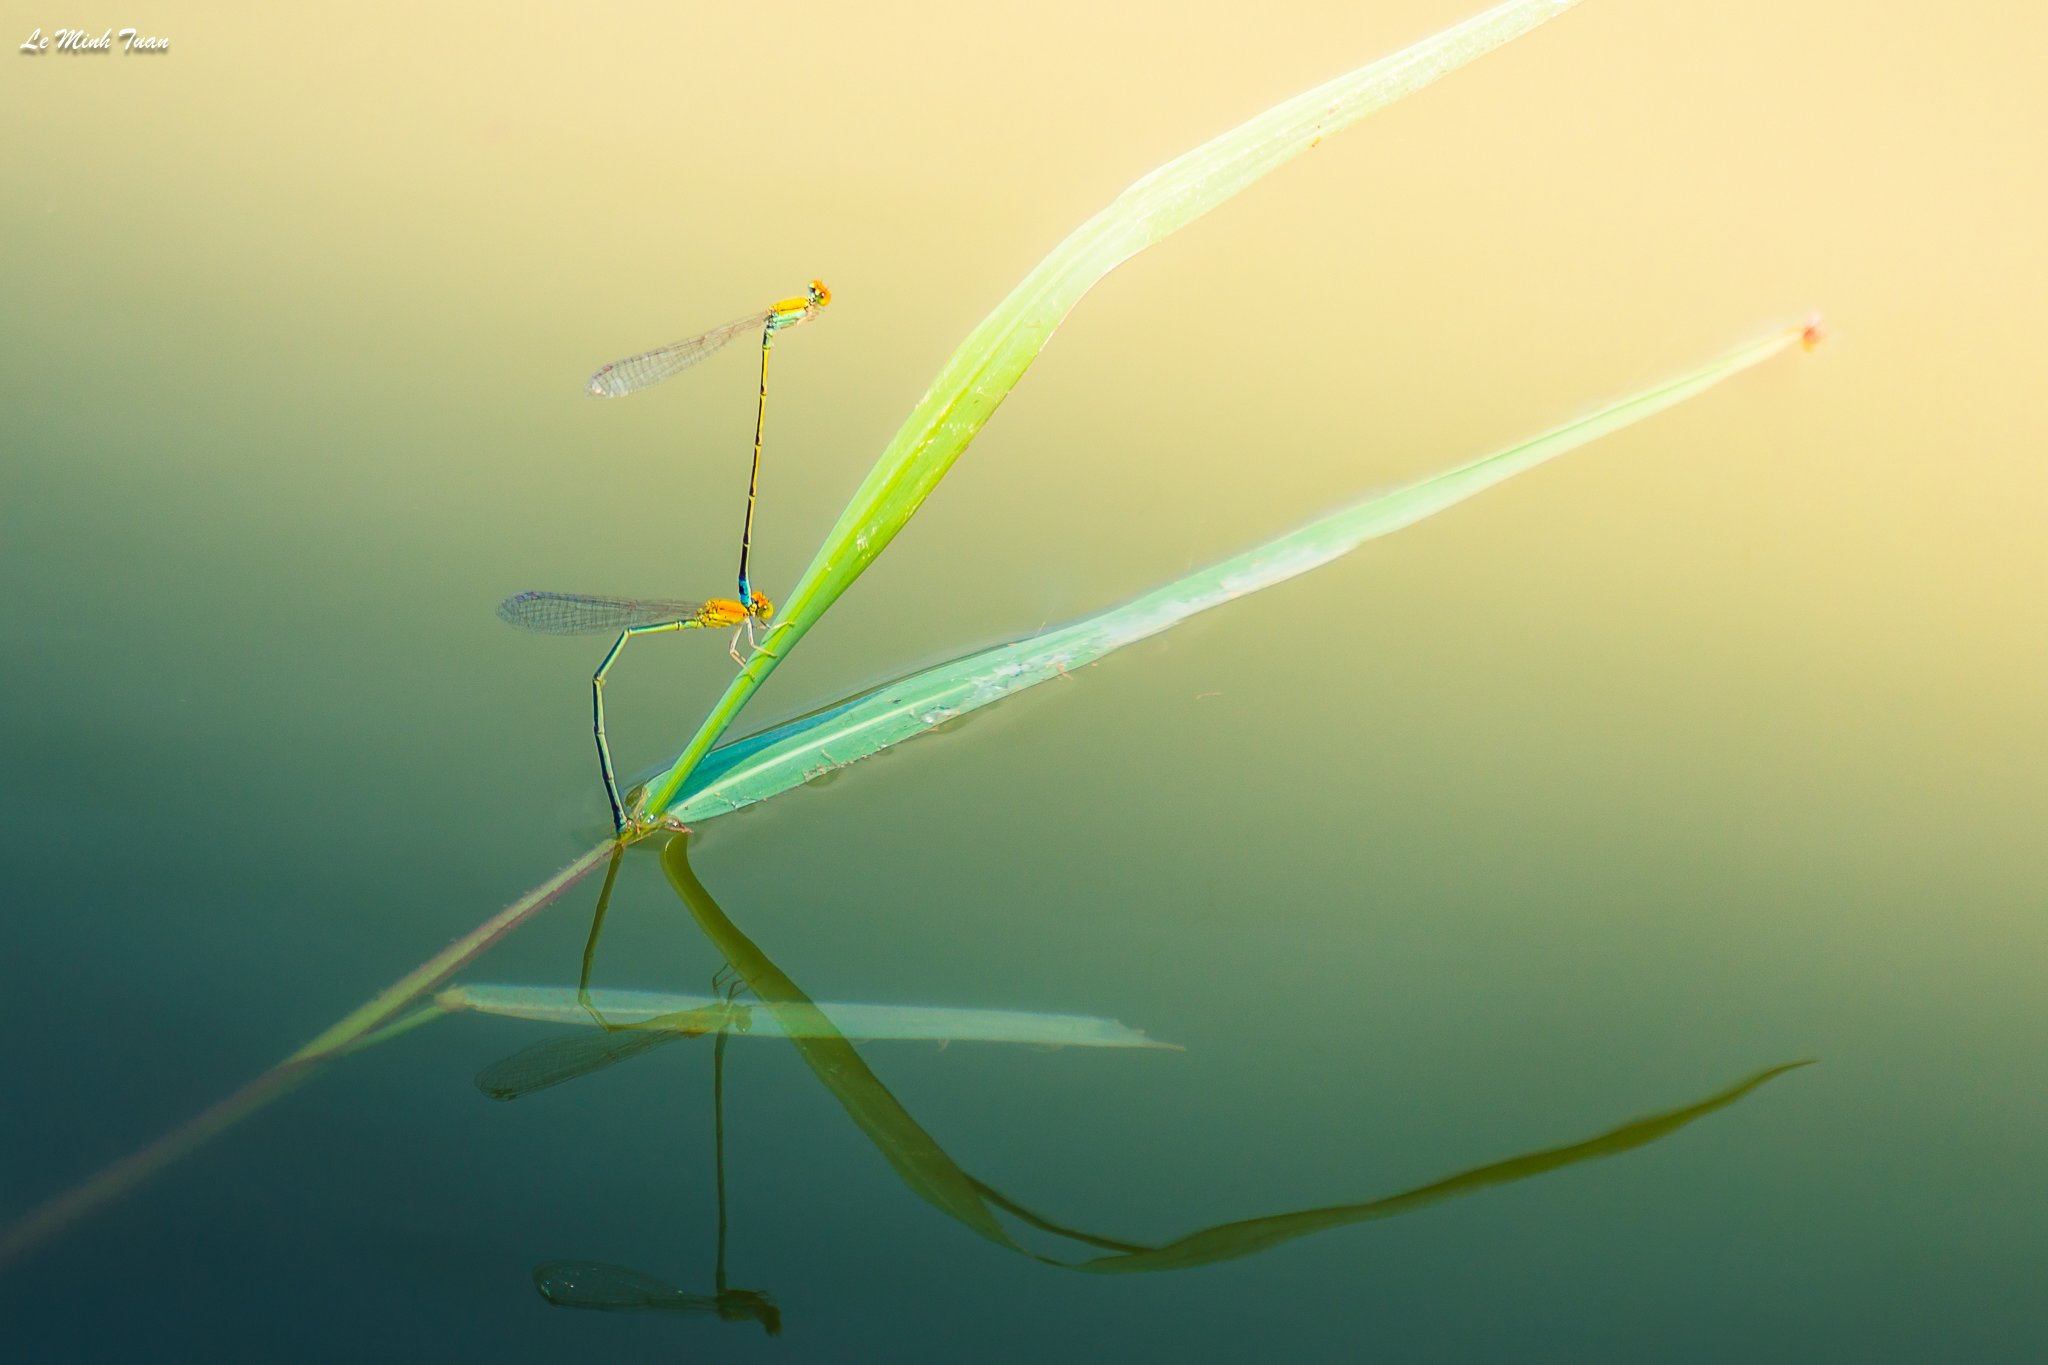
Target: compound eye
<point>818,288</point>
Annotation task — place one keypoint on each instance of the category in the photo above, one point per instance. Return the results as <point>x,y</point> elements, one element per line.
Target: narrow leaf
<point>772,762</point>
<point>996,355</point>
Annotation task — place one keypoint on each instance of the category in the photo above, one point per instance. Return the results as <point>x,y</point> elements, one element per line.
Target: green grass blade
<point>996,355</point>
<point>768,764</point>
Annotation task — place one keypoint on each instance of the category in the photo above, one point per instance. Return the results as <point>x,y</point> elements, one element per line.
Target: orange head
<point>761,608</point>
<point>820,295</point>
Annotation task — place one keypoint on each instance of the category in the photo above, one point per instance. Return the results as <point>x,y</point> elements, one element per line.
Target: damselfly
<point>648,368</point>
<point>569,613</point>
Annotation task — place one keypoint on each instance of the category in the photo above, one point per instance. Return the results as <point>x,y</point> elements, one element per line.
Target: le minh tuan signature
<point>79,40</point>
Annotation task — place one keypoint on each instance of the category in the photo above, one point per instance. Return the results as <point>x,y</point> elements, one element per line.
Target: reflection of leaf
<point>1230,1240</point>
<point>626,1009</point>
<point>767,764</point>
<point>918,1160</point>
<point>998,352</point>
<point>933,1175</point>
<point>640,1021</point>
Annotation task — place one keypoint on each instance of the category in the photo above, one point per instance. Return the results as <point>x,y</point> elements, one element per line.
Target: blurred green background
<point>1717,745</point>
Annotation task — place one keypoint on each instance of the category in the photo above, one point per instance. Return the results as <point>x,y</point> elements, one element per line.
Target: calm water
<point>1714,747</point>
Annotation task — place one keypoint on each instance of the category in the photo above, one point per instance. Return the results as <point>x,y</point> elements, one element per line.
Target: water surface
<point>1713,747</point>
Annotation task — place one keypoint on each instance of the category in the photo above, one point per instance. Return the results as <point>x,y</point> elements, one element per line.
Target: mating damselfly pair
<point>567,613</point>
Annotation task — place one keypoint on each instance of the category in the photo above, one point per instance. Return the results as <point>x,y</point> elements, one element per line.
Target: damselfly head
<point>820,295</point>
<point>762,608</point>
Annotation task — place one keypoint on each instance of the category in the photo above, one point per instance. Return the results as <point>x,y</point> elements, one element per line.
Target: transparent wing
<point>612,1288</point>
<point>637,372</point>
<point>576,613</point>
<point>564,1059</point>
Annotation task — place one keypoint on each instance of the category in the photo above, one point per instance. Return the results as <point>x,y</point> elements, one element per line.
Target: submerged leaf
<point>788,755</point>
<point>998,352</point>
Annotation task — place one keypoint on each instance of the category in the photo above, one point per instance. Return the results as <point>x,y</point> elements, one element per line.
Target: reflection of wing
<point>576,613</point>
<point>612,1289</point>
<point>637,372</point>
<point>564,1059</point>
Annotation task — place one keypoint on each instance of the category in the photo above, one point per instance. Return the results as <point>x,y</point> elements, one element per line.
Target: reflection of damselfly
<point>610,1288</point>
<point>637,372</point>
<point>569,613</point>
